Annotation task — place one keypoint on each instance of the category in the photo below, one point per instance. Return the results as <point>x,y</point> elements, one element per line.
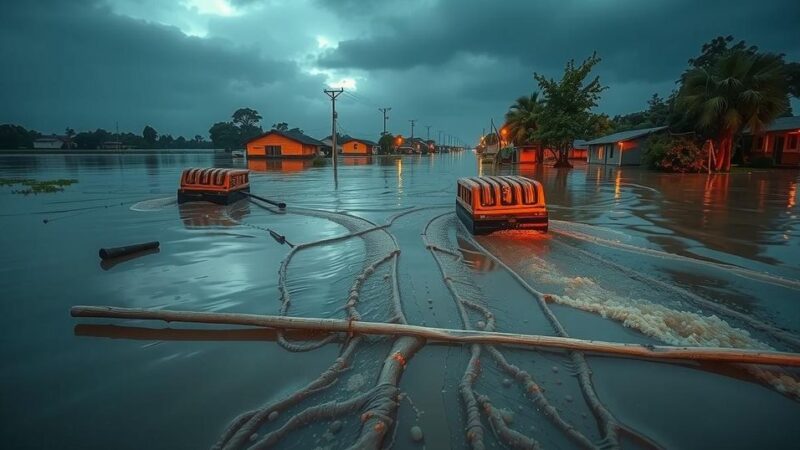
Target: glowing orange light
<point>503,131</point>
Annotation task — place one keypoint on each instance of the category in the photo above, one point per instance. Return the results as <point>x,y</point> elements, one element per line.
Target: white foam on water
<point>683,328</point>
<point>154,204</point>
<point>654,320</point>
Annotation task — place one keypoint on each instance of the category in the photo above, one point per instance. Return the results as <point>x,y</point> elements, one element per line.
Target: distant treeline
<point>15,137</point>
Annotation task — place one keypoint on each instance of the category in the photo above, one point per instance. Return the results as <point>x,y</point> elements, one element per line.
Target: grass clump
<point>31,186</point>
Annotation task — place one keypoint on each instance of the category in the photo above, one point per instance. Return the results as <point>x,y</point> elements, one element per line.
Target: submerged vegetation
<point>37,186</point>
<point>682,154</point>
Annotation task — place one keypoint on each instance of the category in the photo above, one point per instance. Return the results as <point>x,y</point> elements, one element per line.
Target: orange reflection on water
<point>280,165</point>
<point>357,160</point>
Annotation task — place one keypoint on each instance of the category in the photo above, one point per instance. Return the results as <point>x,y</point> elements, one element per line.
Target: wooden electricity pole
<point>333,93</point>
<point>385,118</point>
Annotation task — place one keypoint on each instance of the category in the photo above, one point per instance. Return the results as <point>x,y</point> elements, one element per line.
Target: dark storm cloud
<point>638,40</point>
<point>77,64</point>
<point>453,64</point>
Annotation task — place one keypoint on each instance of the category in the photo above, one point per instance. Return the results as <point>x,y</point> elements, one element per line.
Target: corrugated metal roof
<point>624,136</point>
<point>782,124</point>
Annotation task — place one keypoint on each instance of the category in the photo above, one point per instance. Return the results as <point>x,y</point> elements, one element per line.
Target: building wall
<point>48,145</point>
<point>289,148</point>
<point>577,153</point>
<point>764,146</point>
<point>356,148</point>
<point>628,153</point>
<point>528,155</point>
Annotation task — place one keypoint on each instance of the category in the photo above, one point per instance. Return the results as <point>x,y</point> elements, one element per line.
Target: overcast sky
<point>182,65</point>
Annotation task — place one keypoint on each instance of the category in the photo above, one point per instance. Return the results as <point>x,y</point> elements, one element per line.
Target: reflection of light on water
<point>792,196</point>
<point>399,175</point>
<point>617,185</point>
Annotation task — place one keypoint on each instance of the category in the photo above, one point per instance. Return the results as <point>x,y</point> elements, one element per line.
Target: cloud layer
<point>451,64</point>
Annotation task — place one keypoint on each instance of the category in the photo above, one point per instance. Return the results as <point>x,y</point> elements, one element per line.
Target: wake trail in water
<point>563,228</point>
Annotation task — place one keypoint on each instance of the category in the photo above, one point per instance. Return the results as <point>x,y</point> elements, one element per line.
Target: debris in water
<point>555,369</point>
<point>272,416</point>
<point>481,324</point>
<point>253,437</point>
<point>506,382</point>
<point>568,398</point>
<point>416,433</point>
<point>508,416</point>
<point>336,426</point>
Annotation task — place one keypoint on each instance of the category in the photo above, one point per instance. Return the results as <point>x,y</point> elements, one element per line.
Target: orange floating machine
<point>222,186</point>
<point>489,203</point>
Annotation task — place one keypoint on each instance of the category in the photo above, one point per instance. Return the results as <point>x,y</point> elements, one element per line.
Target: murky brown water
<point>633,256</point>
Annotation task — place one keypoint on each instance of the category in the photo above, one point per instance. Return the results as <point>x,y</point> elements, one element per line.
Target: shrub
<point>319,161</point>
<point>675,154</point>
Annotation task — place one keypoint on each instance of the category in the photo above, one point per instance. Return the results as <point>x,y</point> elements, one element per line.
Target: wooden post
<point>656,352</point>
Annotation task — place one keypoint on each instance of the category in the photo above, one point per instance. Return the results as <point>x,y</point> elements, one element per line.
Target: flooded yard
<point>632,256</point>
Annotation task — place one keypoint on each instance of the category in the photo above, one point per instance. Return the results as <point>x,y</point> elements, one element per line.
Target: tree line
<point>16,137</point>
<point>728,88</point>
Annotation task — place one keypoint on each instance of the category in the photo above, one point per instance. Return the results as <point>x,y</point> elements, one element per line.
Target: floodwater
<point>632,256</point>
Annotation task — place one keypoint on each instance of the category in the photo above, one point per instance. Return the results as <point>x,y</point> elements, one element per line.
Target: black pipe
<point>279,238</point>
<point>116,252</point>
<point>280,205</point>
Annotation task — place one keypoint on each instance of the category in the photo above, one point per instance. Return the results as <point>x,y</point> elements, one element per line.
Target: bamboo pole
<point>656,352</point>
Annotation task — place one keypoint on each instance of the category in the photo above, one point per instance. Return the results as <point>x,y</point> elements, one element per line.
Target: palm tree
<point>739,90</point>
<point>522,118</point>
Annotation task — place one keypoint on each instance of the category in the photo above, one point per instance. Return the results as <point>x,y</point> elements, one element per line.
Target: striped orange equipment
<point>489,203</point>
<point>215,185</point>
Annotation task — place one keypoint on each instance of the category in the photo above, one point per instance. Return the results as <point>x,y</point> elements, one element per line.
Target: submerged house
<point>359,147</point>
<point>50,142</point>
<point>283,144</point>
<point>619,149</point>
<point>780,141</point>
<point>579,150</point>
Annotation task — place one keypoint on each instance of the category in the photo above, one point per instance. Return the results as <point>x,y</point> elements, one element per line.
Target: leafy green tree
<point>92,139</point>
<point>149,134</point>
<point>522,118</point>
<point>224,135</point>
<point>567,115</point>
<point>246,120</point>
<point>14,137</point>
<point>387,144</point>
<point>740,89</point>
<point>280,126</point>
<point>246,117</point>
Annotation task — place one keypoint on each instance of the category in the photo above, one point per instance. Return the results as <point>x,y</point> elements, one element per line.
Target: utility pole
<point>429,131</point>
<point>385,118</point>
<point>333,93</point>
<point>412,127</point>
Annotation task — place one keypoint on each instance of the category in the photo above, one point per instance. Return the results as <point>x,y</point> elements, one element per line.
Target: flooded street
<point>632,256</point>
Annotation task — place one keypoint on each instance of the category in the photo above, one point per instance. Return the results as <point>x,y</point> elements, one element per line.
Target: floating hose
<point>116,252</point>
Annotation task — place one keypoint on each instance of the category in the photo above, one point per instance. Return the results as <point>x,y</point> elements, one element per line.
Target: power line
<point>412,127</point>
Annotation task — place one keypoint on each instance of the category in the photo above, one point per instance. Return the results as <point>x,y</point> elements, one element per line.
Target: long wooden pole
<point>657,352</point>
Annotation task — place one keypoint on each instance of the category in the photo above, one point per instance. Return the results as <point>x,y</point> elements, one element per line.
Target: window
<point>355,145</point>
<point>272,150</point>
<point>610,150</point>
<point>759,143</point>
<point>792,143</point>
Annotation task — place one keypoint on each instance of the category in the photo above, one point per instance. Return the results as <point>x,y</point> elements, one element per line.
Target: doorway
<point>777,149</point>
